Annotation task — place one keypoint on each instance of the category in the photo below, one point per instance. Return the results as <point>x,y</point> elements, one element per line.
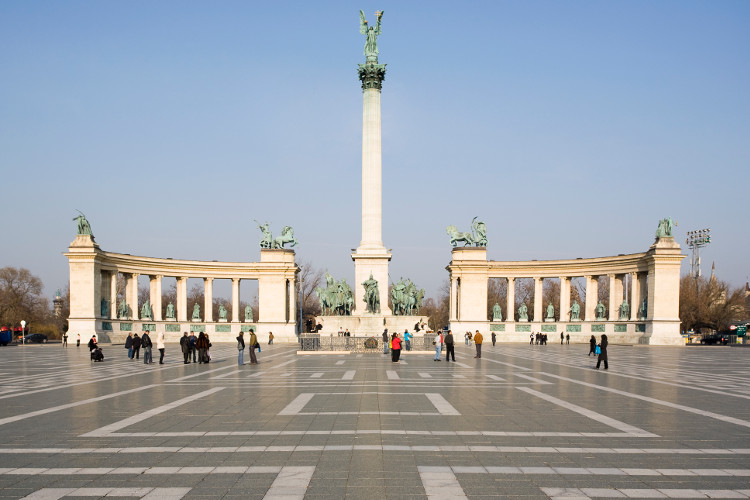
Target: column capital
<point>372,75</point>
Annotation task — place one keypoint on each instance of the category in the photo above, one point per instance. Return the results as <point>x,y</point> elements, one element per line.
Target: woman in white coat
<point>160,346</point>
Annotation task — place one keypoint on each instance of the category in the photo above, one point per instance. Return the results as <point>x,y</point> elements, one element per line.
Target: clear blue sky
<point>570,128</point>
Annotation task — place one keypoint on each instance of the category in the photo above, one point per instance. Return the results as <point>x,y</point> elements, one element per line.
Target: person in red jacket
<point>396,348</point>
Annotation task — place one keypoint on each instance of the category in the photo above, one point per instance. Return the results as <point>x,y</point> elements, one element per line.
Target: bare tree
<point>437,309</point>
<point>709,304</point>
<point>309,279</point>
<point>21,299</point>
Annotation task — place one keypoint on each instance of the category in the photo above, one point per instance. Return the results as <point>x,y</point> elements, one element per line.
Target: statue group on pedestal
<point>268,241</point>
<point>477,237</point>
<point>372,295</point>
<point>82,224</point>
<point>405,297</point>
<point>336,299</point>
<point>664,229</point>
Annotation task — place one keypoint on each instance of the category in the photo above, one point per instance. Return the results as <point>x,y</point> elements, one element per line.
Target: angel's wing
<point>362,23</point>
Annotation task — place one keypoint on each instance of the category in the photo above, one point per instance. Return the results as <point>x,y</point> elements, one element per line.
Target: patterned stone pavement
<point>522,422</point>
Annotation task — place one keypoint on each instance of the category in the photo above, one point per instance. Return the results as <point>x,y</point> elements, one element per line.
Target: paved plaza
<point>522,422</point>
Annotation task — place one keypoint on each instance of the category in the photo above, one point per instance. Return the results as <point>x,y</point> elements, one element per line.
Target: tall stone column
<point>182,312</point>
<point>131,289</point>
<point>113,295</point>
<point>371,257</point>
<point>564,297</point>
<point>208,300</point>
<point>592,297</point>
<point>635,296</point>
<point>538,303</point>
<point>235,300</point>
<point>615,291</point>
<point>155,296</point>
<point>452,304</point>
<point>510,306</point>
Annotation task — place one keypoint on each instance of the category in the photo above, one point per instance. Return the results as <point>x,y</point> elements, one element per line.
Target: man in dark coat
<point>449,352</point>
<point>185,348</point>
<point>136,347</point>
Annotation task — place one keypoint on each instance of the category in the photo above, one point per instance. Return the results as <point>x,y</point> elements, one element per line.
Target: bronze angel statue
<point>371,43</point>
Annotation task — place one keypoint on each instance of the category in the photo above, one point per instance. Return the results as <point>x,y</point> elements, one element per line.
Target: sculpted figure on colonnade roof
<point>575,311</point>
<point>82,224</point>
<point>664,228</point>
<point>267,239</point>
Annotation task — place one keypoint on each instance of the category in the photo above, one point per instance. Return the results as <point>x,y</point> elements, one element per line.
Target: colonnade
<point>654,277</point>
<point>93,280</point>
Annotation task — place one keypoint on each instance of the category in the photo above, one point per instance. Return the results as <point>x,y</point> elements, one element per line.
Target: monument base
<point>549,320</point>
<point>368,324</point>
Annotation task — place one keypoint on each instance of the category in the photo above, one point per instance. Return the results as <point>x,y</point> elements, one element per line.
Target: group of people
<point>252,344</point>
<point>134,344</point>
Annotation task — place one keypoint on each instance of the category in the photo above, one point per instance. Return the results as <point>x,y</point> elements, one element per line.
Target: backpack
<point>598,350</point>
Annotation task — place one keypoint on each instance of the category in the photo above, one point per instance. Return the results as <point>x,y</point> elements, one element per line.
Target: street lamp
<point>23,332</point>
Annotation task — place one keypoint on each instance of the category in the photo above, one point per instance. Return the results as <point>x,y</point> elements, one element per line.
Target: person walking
<point>193,344</point>
<point>531,338</point>
<point>65,339</point>
<point>136,347</point>
<point>396,349</point>
<point>185,348</point>
<point>407,339</point>
<point>146,344</point>
<point>160,346</point>
<point>270,338</point>
<point>603,353</point>
<point>129,345</point>
<point>592,346</point>
<point>241,349</point>
<point>385,341</point>
<point>78,340</point>
<point>438,345</point>
<point>253,343</point>
<point>562,337</point>
<point>494,338</point>
<point>478,338</point>
<point>567,339</point>
<point>202,345</point>
<point>449,352</point>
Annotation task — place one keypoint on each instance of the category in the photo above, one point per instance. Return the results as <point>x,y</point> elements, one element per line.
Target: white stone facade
<point>93,277</point>
<point>654,275</point>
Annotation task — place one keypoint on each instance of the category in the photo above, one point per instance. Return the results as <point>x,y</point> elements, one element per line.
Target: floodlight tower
<point>697,240</point>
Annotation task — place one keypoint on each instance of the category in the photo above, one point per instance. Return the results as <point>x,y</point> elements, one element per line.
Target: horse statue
<point>287,236</point>
<point>456,236</point>
<point>326,304</point>
<point>372,295</point>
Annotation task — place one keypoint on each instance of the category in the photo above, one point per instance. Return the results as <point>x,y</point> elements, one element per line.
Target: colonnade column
<point>113,295</point>
<point>453,307</point>
<point>644,280</point>
<point>181,299</point>
<point>155,296</point>
<point>208,300</point>
<point>235,300</point>
<point>132,296</point>
<point>538,303</point>
<point>291,294</point>
<point>564,297</point>
<point>635,296</point>
<point>510,306</point>
<point>612,307</point>
<point>592,296</point>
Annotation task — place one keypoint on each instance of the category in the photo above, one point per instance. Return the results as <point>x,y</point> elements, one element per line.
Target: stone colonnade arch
<point>93,294</point>
<point>654,277</point>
